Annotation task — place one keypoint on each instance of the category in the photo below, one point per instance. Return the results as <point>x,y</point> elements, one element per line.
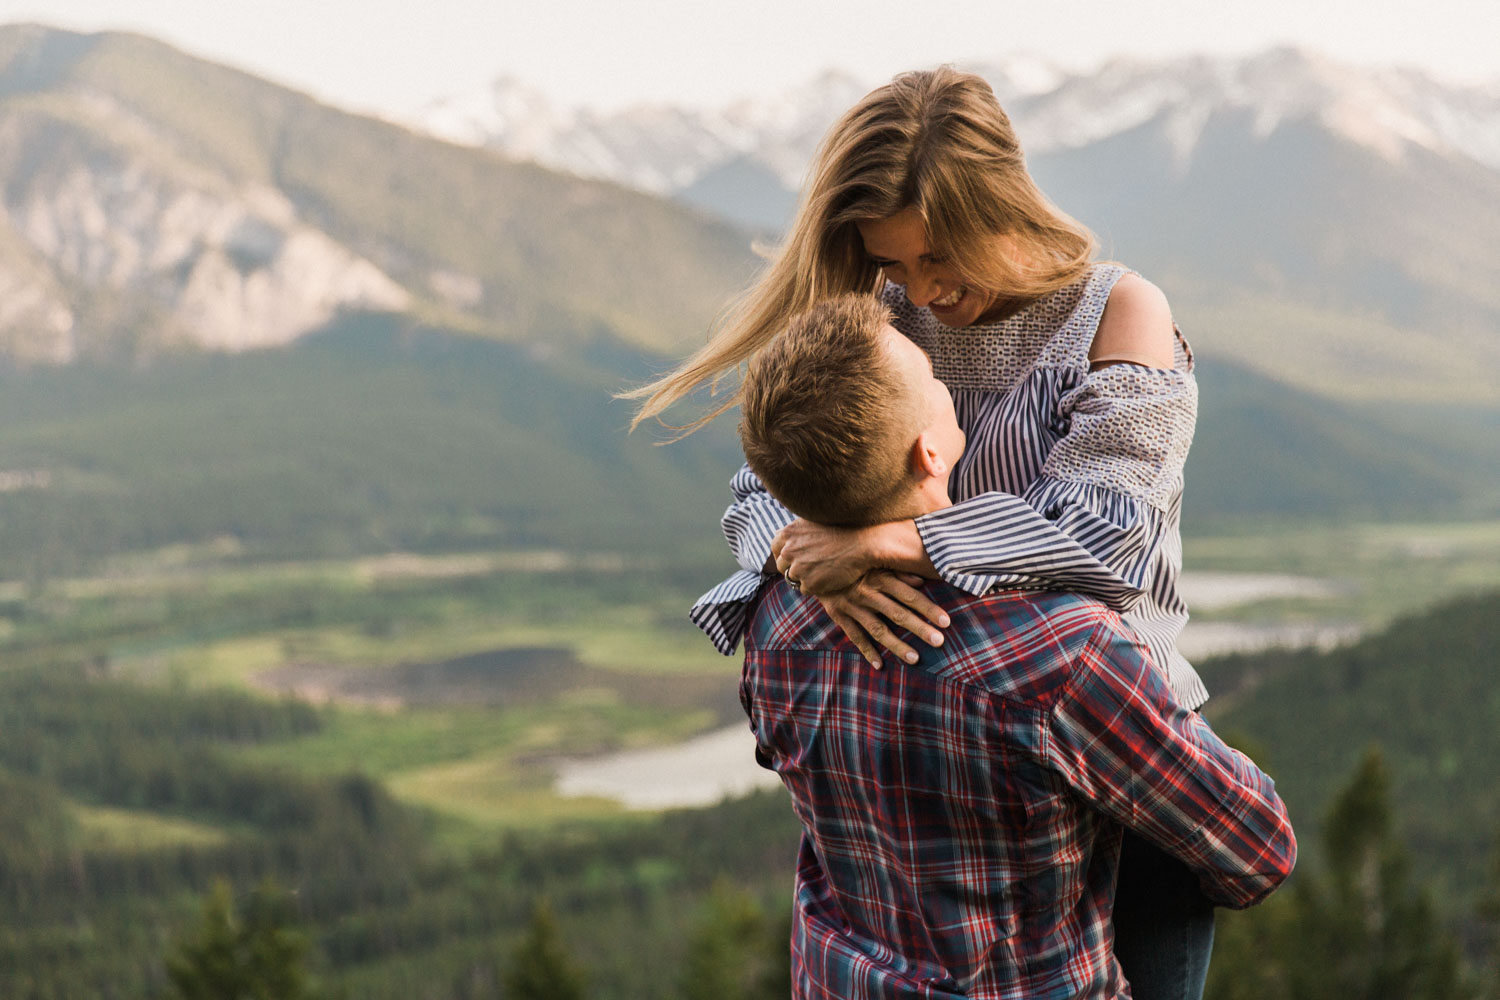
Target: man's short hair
<point>827,417</point>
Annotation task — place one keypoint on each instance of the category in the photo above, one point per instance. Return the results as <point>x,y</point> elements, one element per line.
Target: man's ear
<point>925,460</point>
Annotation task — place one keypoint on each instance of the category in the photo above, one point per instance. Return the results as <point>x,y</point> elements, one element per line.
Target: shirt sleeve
<point>1095,518</point>
<point>1121,741</point>
<point>749,524</point>
<point>752,520</point>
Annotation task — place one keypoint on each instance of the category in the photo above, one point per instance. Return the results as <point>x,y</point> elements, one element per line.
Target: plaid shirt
<point>962,817</point>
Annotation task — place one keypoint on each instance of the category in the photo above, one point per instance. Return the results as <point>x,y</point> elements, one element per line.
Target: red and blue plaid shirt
<point>962,817</point>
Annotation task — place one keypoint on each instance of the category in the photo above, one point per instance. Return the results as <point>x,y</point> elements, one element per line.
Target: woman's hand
<point>867,609</point>
<point>820,560</point>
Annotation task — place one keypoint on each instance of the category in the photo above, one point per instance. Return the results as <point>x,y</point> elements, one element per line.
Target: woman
<point>1071,382</point>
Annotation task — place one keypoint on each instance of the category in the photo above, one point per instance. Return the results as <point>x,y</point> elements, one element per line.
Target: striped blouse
<point>1072,479</point>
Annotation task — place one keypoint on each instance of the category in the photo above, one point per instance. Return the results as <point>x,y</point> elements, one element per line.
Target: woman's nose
<point>921,287</point>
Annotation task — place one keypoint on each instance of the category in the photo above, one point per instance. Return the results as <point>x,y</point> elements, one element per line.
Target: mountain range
<point>1334,226</point>
<point>231,312</point>
<point>666,149</point>
<point>153,198</point>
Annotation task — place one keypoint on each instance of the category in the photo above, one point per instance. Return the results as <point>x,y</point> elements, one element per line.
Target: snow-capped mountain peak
<point>666,149</point>
<point>508,107</point>
<point>1384,110</point>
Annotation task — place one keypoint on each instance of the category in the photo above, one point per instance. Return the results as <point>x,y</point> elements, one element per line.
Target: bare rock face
<point>226,266</point>
<point>36,323</point>
<point>150,200</point>
<point>289,281</point>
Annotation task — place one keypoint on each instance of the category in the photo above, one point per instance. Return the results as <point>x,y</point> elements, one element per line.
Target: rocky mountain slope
<point>151,198</point>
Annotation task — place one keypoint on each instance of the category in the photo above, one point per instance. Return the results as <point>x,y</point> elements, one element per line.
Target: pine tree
<point>1363,931</point>
<point>1387,940</point>
<point>1487,917</point>
<point>255,955</point>
<point>727,957</point>
<point>1250,956</point>
<point>540,969</point>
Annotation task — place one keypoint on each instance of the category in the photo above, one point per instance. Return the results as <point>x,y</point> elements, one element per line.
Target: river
<point>721,764</point>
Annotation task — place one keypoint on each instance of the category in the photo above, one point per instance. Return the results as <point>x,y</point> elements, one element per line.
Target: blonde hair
<point>933,140</point>
<point>827,415</point>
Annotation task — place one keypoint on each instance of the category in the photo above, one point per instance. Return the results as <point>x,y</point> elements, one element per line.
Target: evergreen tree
<point>1488,921</point>
<point>776,976</point>
<point>727,955</point>
<point>1250,958</point>
<point>255,955</point>
<point>1363,932</point>
<point>1383,939</point>
<point>540,968</point>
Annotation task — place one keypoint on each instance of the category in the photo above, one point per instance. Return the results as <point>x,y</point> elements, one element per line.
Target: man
<point>962,815</point>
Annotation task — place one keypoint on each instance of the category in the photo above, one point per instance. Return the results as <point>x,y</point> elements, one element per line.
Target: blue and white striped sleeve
<point>750,523</point>
<point>1095,519</point>
<point>752,520</point>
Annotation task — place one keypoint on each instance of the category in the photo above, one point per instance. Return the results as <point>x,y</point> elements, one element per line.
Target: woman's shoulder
<point>1118,317</point>
<point>1135,327</point>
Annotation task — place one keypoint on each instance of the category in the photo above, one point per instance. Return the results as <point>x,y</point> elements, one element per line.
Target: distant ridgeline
<point>380,435</point>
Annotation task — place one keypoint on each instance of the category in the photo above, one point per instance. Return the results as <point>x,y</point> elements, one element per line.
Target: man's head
<point>843,420</point>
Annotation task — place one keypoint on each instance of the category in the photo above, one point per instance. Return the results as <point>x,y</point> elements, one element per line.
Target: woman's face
<point>898,246</point>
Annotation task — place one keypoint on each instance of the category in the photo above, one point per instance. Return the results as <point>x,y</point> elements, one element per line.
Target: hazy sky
<point>396,54</point>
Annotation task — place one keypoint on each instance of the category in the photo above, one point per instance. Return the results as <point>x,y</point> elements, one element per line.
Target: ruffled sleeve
<point>750,523</point>
<point>752,520</point>
<point>1095,519</point>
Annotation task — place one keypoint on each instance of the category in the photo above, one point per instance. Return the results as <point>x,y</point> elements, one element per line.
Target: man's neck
<point>930,495</point>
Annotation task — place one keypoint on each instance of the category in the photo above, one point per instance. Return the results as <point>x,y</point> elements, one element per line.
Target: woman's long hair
<point>936,141</point>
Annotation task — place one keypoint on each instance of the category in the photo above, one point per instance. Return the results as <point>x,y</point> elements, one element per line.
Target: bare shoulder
<point>1136,327</point>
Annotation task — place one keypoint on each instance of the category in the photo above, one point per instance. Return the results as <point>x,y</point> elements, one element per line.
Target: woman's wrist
<point>898,545</point>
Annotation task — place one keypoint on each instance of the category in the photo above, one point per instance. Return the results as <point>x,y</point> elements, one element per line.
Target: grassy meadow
<point>458,682</point>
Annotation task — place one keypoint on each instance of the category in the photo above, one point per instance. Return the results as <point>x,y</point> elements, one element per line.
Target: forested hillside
<point>382,435</point>
<point>378,435</point>
<point>639,899</point>
<point>1426,692</point>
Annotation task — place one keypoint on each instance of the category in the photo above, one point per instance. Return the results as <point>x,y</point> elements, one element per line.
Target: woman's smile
<point>898,246</point>
<point>948,301</point>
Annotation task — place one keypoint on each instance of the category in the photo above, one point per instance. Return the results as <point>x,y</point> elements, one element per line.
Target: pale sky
<point>394,55</point>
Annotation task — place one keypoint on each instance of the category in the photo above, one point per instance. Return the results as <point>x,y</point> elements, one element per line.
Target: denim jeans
<point>1164,925</point>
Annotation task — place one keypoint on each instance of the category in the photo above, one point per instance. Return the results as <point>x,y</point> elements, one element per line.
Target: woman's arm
<point>1094,521</point>
<point>749,524</point>
<point>864,604</point>
<point>1060,536</point>
<point>825,560</point>
<point>1096,517</point>
<point>752,521</point>
<point>1135,328</point>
